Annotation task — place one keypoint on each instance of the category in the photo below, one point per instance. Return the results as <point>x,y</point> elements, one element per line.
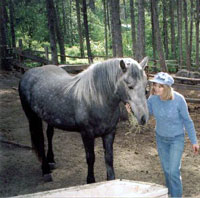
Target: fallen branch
<point>15,144</point>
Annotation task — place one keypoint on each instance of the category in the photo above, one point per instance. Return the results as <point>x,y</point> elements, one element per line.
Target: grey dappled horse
<point>87,103</point>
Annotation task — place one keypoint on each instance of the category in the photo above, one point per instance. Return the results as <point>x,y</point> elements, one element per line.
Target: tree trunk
<point>186,35</point>
<point>165,29</point>
<point>90,58</point>
<point>179,14</point>
<point>79,27</point>
<point>59,35</point>
<point>173,43</point>
<point>70,27</point>
<point>51,24</point>
<point>108,21</point>
<point>105,26</point>
<point>158,36</point>
<point>124,13</point>
<point>68,34</point>
<point>112,30</point>
<point>140,53</point>
<point>197,31</point>
<point>12,28</point>
<point>153,34</point>
<point>191,32</point>
<point>116,28</point>
<point>92,5</point>
<point>133,32</point>
<point>3,36</point>
<point>64,19</point>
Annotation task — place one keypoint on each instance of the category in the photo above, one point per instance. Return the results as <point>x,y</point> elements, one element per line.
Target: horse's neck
<point>96,86</point>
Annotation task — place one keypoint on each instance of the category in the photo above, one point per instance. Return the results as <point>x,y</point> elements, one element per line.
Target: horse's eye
<point>130,87</point>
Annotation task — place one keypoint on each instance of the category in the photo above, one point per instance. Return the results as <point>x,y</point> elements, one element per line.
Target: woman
<point>172,118</point>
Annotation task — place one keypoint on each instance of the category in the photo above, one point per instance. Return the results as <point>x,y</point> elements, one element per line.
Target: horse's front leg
<point>90,157</point>
<point>108,149</point>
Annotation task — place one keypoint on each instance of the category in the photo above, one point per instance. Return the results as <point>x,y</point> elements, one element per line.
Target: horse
<point>87,103</point>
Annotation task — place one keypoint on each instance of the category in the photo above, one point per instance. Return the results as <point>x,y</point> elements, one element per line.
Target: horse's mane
<point>96,83</point>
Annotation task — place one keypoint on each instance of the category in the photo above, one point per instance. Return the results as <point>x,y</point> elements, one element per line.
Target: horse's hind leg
<point>38,144</point>
<point>108,149</point>
<point>37,138</point>
<point>90,157</point>
<point>50,155</point>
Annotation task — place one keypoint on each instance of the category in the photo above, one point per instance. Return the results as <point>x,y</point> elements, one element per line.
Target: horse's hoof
<point>52,165</point>
<point>48,178</point>
<point>90,181</point>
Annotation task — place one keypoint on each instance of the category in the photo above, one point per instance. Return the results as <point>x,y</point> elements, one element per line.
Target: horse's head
<point>131,87</point>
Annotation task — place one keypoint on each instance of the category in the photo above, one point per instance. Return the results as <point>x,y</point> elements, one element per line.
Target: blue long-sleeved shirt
<point>172,116</point>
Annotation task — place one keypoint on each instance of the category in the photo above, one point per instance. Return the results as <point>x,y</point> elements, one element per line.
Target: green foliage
<point>31,25</point>
<point>96,26</point>
<point>73,51</point>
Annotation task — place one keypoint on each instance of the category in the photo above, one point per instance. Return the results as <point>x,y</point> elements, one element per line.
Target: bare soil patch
<point>135,155</point>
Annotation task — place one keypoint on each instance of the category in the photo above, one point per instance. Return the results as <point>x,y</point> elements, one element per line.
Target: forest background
<point>164,30</point>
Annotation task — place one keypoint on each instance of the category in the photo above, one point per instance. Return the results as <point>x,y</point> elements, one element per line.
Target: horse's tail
<point>35,127</point>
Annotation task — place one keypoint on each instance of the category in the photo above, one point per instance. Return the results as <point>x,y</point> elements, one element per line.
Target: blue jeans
<point>170,150</point>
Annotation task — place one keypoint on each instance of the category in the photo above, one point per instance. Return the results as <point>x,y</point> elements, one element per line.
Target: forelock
<point>136,70</point>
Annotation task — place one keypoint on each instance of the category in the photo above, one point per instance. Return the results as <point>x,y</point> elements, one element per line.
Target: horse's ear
<point>144,62</point>
<point>123,66</point>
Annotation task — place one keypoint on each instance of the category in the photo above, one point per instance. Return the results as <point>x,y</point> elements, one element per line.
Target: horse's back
<point>42,82</point>
<point>50,71</point>
<point>47,74</point>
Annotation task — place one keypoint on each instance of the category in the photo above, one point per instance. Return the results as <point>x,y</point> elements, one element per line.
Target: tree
<point>165,29</point>
<point>92,5</point>
<point>186,35</point>
<point>3,36</point>
<point>153,35</point>
<point>51,24</point>
<point>68,26</point>
<point>105,25</point>
<point>179,14</point>
<point>64,18</point>
<point>70,23</point>
<point>173,43</point>
<point>90,58</point>
<point>158,36</point>
<point>191,33</point>
<point>197,31</point>
<point>116,28</point>
<point>140,52</point>
<point>79,27</point>
<point>59,34</point>
<point>12,26</point>
<point>133,32</point>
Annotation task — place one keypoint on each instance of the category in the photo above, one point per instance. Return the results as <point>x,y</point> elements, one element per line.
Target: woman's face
<point>158,89</point>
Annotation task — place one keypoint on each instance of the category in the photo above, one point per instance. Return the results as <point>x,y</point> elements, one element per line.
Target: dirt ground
<point>135,155</point>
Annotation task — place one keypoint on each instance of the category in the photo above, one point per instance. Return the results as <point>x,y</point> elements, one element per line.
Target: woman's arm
<point>189,124</point>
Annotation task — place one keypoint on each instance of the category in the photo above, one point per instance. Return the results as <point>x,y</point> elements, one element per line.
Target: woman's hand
<point>128,107</point>
<point>195,148</point>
